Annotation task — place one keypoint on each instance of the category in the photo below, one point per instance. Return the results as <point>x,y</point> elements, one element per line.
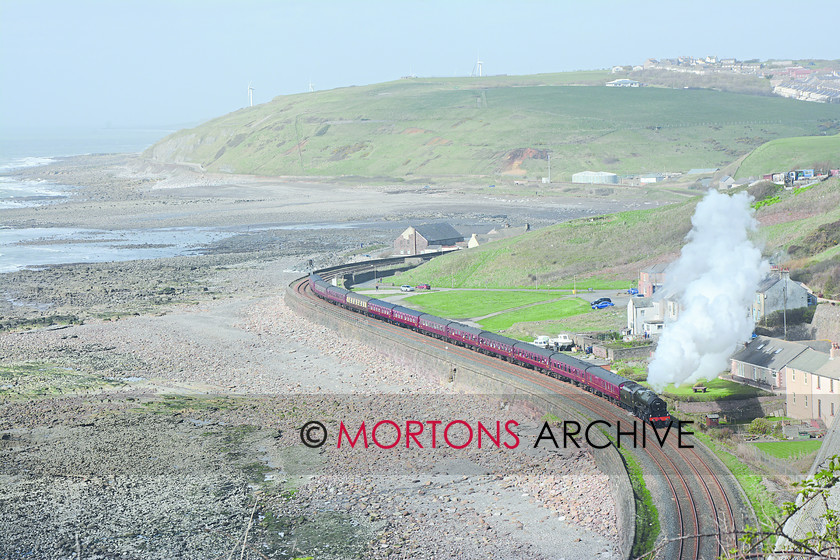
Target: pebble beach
<point>159,419</point>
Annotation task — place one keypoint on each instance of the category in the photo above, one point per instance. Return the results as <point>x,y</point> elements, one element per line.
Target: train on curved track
<point>628,394</point>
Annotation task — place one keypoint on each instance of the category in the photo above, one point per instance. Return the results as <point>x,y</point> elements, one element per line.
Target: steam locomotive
<point>640,400</point>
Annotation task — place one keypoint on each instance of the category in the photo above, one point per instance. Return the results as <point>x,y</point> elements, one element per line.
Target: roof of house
<point>809,361</point>
<point>767,283</point>
<point>701,171</point>
<point>656,268</point>
<point>831,368</point>
<point>438,232</point>
<point>770,353</point>
<point>639,302</point>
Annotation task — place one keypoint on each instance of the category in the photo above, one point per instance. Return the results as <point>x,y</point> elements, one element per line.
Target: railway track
<point>691,490</point>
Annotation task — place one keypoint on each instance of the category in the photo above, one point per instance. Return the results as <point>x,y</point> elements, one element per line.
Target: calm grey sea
<point>21,247</point>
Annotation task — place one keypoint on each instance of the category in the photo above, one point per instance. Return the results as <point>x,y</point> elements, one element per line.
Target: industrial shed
<point>425,238</point>
<point>595,177</point>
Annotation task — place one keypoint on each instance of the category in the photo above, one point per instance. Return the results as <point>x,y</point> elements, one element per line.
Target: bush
<point>722,434</point>
<point>761,426</point>
<point>794,317</point>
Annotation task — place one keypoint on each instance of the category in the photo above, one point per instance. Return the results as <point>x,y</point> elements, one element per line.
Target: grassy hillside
<point>798,227</point>
<point>785,154</point>
<point>496,125</point>
<point>609,247</point>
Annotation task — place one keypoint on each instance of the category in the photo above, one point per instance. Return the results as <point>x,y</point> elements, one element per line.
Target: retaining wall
<point>476,378</point>
<point>826,322</point>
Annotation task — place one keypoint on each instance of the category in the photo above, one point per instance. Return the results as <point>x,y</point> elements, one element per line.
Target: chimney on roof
<point>835,348</point>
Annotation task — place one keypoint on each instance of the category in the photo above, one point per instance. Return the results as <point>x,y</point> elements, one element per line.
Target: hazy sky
<point>174,63</point>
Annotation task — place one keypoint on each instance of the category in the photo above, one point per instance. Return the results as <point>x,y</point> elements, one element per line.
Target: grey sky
<point>156,63</point>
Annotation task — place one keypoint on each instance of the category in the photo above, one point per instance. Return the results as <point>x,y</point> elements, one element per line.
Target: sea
<point>44,246</point>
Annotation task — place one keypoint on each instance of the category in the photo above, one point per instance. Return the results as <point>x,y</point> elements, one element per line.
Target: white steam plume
<point>714,280</point>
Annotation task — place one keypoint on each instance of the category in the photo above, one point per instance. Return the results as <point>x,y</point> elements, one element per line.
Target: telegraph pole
<point>549,167</point>
<point>784,314</point>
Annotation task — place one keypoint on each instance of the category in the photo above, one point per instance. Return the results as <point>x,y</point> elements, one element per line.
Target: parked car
<point>423,287</point>
<point>602,300</point>
<point>602,305</point>
<point>406,288</point>
<point>633,291</point>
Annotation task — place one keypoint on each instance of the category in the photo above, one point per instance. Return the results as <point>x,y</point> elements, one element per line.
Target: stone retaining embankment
<point>452,368</point>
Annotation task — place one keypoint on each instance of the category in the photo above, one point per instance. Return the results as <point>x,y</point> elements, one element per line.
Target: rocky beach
<point>150,408</point>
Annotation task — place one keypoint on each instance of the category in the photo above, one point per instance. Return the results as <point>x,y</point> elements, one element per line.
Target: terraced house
<point>812,380</point>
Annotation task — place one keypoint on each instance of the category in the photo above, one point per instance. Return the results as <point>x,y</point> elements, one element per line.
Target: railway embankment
<point>472,376</point>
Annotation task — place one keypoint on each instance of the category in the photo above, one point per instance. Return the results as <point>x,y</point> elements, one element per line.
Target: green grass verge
<point>789,449</point>
<point>647,516</point>
<point>541,312</point>
<point>464,304</point>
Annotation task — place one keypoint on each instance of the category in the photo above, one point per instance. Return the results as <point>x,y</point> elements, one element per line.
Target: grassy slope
<point>607,246</point>
<point>785,154</point>
<point>440,127</point>
<point>619,245</point>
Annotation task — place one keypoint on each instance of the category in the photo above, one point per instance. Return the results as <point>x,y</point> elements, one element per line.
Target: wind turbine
<point>478,66</point>
<point>311,87</point>
<point>250,94</point>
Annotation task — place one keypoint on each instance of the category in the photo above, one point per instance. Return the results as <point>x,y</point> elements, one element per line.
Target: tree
<point>812,498</point>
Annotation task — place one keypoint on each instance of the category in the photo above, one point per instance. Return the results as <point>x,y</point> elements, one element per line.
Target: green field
<point>542,312</point>
<point>789,449</point>
<point>716,389</point>
<point>465,304</point>
<point>609,319</point>
<point>495,127</point>
<point>785,154</point>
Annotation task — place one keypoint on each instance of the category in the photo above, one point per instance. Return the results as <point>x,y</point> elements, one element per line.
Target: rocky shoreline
<point>163,422</point>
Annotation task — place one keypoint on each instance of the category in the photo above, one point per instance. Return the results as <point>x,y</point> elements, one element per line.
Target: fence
<point>784,467</point>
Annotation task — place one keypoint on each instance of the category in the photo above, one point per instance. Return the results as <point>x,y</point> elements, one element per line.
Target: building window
<point>793,374</point>
<point>832,409</point>
<point>794,398</point>
<point>806,400</point>
<point>804,378</point>
<point>818,382</point>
